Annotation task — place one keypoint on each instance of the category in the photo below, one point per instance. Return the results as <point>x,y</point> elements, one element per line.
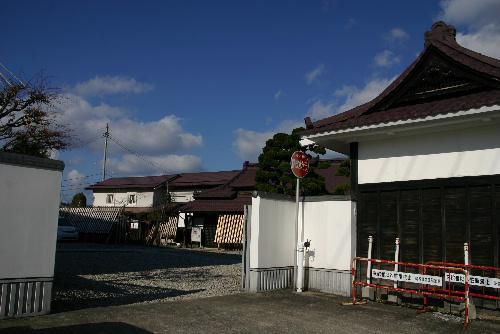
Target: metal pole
<point>106,135</point>
<point>300,246</point>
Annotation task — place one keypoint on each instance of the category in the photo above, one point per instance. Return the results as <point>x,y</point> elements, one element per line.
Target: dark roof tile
<point>440,39</point>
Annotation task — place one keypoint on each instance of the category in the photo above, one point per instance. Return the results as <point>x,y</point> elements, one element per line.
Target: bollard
<point>369,264</point>
<point>396,258</point>
<point>466,253</point>
<point>366,291</point>
<point>391,297</point>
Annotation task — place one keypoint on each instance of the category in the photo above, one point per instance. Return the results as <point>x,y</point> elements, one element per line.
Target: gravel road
<point>93,275</point>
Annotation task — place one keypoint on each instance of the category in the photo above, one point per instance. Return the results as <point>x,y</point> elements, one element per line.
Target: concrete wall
<point>466,152</point>
<point>329,224</point>
<point>29,205</point>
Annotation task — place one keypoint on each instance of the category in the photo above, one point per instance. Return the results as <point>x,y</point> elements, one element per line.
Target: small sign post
<point>300,168</point>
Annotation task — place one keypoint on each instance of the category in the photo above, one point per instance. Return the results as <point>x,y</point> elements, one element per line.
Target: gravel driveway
<point>92,275</point>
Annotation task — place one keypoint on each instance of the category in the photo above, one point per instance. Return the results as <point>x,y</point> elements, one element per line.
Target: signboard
<point>488,282</point>
<point>134,225</point>
<point>299,164</point>
<point>196,234</point>
<point>407,277</point>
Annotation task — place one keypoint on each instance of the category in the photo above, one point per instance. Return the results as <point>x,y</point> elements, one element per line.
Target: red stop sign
<point>299,164</point>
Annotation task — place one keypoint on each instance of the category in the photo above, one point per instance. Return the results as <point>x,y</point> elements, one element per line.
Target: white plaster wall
<point>331,227</point>
<point>182,196</point>
<point>144,199</point>
<point>466,152</point>
<point>272,233</point>
<point>29,207</point>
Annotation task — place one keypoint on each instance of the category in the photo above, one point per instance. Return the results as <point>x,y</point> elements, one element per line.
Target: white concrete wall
<point>272,233</point>
<point>330,225</point>
<point>29,210</point>
<point>144,199</point>
<point>466,152</point>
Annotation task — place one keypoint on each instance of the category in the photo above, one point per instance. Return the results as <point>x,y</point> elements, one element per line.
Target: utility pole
<point>106,136</point>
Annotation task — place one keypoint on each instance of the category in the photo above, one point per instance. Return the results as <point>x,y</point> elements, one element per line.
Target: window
<point>131,199</point>
<point>109,199</point>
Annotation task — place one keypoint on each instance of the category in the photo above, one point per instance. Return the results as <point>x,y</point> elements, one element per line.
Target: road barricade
<point>484,281</point>
<point>427,280</point>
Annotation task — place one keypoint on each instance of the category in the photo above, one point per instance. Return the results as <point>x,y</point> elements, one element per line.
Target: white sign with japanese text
<point>488,282</point>
<point>407,277</point>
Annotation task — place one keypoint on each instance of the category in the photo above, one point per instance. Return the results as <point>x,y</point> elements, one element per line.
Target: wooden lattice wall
<point>97,220</point>
<point>97,223</point>
<point>230,229</point>
<point>161,232</point>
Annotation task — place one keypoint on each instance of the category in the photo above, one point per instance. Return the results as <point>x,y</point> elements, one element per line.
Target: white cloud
<point>248,144</point>
<point>75,177</point>
<point>88,121</point>
<point>105,85</point>
<point>486,40</point>
<point>475,14</point>
<point>163,141</point>
<point>314,74</point>
<point>130,164</point>
<point>278,95</point>
<point>321,109</point>
<point>480,18</point>
<point>386,58</point>
<point>397,35</point>
<point>354,96</point>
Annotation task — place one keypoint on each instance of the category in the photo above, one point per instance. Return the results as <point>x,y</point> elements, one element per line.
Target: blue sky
<point>200,85</point>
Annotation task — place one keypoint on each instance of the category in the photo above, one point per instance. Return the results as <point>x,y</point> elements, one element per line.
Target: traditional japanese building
<point>426,156</point>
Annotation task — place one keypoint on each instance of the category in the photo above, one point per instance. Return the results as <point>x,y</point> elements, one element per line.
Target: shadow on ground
<point>93,328</point>
<point>128,258</point>
<point>95,275</point>
<point>81,293</point>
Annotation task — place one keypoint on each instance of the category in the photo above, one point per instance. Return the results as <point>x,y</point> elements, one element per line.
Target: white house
<point>426,156</point>
<point>141,194</point>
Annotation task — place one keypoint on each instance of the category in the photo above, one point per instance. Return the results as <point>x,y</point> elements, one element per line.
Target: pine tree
<point>274,174</point>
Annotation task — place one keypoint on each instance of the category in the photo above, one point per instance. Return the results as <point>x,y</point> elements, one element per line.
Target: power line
<point>76,185</point>
<point>81,177</point>
<point>129,150</point>
<point>6,80</point>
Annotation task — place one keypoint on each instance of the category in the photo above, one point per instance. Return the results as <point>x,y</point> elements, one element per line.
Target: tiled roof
<point>202,179</point>
<point>132,182</point>
<point>439,41</point>
<point>179,181</point>
<point>244,180</point>
<point>218,205</point>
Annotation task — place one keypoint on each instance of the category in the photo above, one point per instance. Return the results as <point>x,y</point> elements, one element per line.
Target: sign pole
<point>300,167</point>
<point>300,247</point>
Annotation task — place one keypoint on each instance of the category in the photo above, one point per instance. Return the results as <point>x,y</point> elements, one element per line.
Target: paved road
<point>277,312</point>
